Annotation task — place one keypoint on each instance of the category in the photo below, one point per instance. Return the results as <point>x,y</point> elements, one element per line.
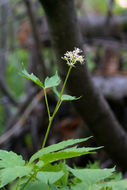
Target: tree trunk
<point>65,34</point>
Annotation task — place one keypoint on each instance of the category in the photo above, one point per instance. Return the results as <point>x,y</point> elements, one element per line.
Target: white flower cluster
<point>73,56</point>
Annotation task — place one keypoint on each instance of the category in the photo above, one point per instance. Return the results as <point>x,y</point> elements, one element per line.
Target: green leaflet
<point>116,185</point>
<point>52,81</point>
<point>91,176</point>
<point>12,166</point>
<point>63,154</point>
<point>85,186</point>
<point>10,174</point>
<point>9,159</point>
<point>31,77</point>
<point>112,185</point>
<point>36,186</point>
<point>49,177</point>
<point>65,97</point>
<point>61,166</point>
<point>53,187</point>
<point>56,147</point>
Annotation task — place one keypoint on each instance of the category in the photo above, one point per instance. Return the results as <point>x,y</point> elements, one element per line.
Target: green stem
<point>29,179</point>
<point>4,188</point>
<point>68,73</point>
<point>18,184</point>
<point>56,108</point>
<point>47,105</point>
<point>47,132</point>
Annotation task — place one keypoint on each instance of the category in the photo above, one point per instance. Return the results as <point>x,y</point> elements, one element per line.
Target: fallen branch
<point>112,87</point>
<point>94,27</point>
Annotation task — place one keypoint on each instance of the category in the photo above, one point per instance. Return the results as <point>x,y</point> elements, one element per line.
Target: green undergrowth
<point>43,172</point>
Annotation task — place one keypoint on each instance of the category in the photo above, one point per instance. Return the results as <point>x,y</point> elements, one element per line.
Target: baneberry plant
<point>42,172</point>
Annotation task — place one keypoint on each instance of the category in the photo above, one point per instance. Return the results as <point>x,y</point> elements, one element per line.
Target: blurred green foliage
<point>94,165</point>
<point>28,140</point>
<point>90,60</point>
<point>97,7</point>
<point>50,60</point>
<point>15,82</point>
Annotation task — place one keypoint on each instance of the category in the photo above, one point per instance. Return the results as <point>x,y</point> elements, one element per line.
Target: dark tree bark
<point>96,29</point>
<point>65,34</point>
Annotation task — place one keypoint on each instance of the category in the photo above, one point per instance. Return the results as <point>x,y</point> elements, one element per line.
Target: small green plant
<point>42,172</point>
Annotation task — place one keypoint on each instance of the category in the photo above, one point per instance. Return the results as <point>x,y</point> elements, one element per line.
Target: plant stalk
<point>29,179</point>
<point>18,184</point>
<point>56,108</point>
<point>46,101</point>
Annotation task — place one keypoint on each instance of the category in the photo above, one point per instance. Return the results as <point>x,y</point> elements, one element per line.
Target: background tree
<point>65,35</point>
